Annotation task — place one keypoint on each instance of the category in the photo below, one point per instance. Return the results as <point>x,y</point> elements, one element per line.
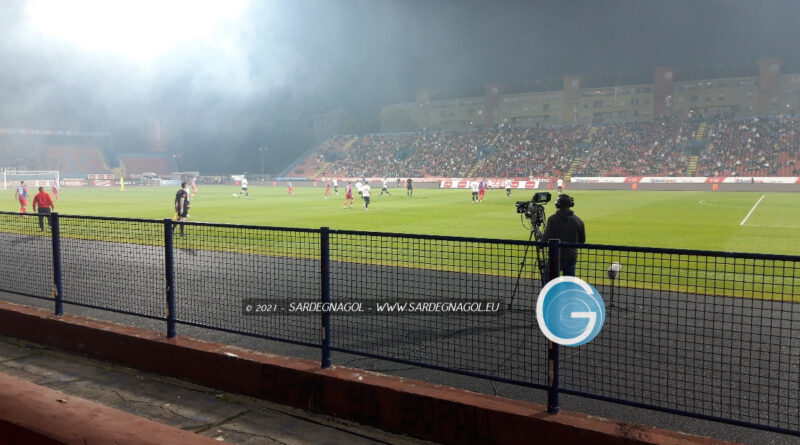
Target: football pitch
<point>752,222</point>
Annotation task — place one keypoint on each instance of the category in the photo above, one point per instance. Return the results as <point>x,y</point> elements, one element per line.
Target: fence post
<point>55,236</point>
<point>169,270</point>
<point>554,267</point>
<point>325,294</point>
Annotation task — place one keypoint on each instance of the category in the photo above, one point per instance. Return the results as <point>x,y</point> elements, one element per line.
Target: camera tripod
<point>536,234</point>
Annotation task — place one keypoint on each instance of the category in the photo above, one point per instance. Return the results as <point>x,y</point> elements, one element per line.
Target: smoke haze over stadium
<point>225,78</point>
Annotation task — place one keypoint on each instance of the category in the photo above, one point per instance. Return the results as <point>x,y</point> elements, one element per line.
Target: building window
<point>545,107</point>
<point>634,101</point>
<point>693,98</point>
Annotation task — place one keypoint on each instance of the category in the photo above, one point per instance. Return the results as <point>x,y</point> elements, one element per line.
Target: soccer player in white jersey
<point>244,188</point>
<point>384,188</point>
<point>365,194</point>
<point>474,186</point>
<point>507,186</point>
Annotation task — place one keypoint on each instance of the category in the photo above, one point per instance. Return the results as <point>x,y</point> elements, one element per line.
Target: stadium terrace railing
<point>709,335</point>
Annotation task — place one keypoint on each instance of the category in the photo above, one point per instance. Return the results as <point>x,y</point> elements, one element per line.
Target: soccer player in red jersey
<point>327,189</point>
<point>55,189</point>
<point>43,204</point>
<point>22,196</point>
<point>482,186</point>
<point>348,195</point>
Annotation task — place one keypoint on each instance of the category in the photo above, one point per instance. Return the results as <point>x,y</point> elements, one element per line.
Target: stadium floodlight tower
<point>262,150</point>
<point>32,178</point>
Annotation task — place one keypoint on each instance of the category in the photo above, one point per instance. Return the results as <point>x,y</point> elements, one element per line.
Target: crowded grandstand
<point>715,145</point>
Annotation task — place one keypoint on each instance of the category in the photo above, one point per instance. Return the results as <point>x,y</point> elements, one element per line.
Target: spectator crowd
<point>723,145</point>
<point>664,147</point>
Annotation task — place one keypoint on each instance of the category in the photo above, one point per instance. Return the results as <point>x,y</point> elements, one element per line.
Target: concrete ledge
<point>420,409</point>
<point>31,413</point>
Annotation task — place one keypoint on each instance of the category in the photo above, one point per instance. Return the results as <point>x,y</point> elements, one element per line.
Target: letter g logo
<point>570,311</point>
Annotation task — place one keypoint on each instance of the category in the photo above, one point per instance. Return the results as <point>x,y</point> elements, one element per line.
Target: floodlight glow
<point>140,30</point>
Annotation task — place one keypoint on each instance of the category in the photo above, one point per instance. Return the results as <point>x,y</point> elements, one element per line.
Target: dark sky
<point>282,61</point>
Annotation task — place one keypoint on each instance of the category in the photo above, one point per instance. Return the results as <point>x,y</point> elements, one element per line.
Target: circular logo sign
<point>570,311</point>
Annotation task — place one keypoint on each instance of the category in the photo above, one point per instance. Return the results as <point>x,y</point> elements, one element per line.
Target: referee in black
<point>182,205</point>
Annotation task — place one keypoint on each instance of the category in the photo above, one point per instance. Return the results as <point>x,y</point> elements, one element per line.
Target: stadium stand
<point>544,152</point>
<point>752,147</point>
<point>328,152</point>
<point>138,163</point>
<point>638,149</point>
<point>21,155</point>
<point>448,154</point>
<point>76,160</point>
<point>717,145</point>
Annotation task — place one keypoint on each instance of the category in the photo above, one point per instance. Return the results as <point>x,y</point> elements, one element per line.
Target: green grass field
<point>690,220</point>
<point>687,220</point>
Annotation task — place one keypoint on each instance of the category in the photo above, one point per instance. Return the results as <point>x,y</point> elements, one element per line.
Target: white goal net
<point>41,178</point>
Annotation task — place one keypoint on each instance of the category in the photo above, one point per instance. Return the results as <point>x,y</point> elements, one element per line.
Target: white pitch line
<point>751,210</point>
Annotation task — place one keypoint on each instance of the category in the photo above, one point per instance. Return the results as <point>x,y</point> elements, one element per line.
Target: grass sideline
<point>687,220</point>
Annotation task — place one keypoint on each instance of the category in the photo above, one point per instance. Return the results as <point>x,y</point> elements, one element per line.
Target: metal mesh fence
<point>26,255</point>
<point>116,264</point>
<point>219,268</point>
<point>407,276</point>
<point>696,333</point>
<point>705,334</point>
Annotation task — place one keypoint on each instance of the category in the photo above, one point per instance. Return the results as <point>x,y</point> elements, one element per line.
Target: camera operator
<point>567,227</point>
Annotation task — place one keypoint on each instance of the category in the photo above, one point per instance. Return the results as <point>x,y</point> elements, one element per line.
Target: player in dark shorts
<point>409,188</point>
<point>385,189</point>
<point>182,205</point>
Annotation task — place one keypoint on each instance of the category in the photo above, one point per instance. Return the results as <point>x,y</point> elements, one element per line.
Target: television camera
<point>534,211</point>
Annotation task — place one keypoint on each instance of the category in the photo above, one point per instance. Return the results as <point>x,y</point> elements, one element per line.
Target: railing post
<point>325,294</point>
<point>169,274</point>
<point>55,236</point>
<point>554,267</point>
